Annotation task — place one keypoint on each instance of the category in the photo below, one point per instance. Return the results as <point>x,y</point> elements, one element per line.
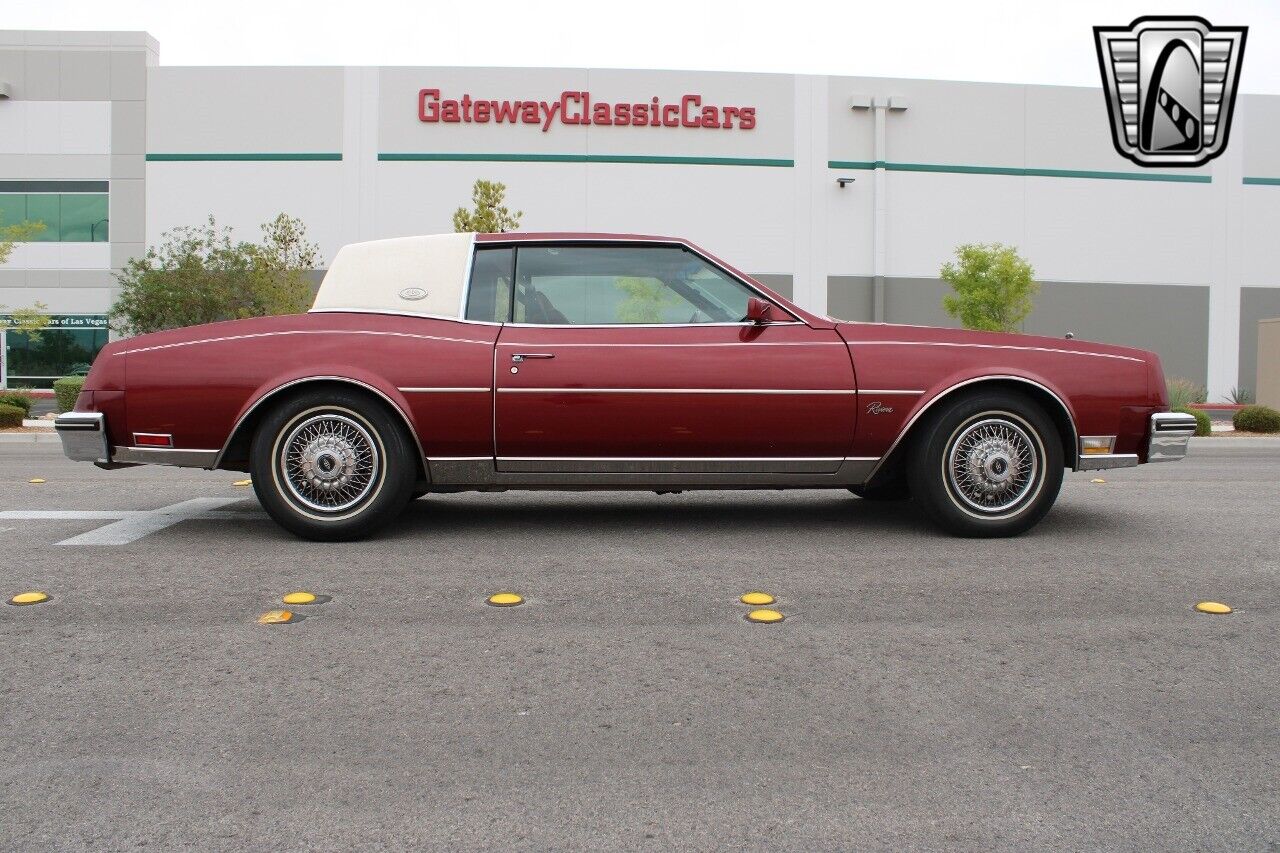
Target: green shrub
<point>22,399</point>
<point>1184,392</point>
<point>1257,419</point>
<point>1204,425</point>
<point>1240,396</point>
<point>10,416</point>
<point>66,390</point>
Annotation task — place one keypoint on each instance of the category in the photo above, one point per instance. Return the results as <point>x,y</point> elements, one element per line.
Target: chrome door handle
<point>519,357</point>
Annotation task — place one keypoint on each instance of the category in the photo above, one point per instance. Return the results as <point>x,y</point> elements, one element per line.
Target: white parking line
<point>131,525</point>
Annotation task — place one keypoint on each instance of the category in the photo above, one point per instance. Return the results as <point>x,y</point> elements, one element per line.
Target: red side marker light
<point>152,439</point>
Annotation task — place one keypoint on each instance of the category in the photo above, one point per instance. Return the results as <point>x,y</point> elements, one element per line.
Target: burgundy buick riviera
<point>488,362</point>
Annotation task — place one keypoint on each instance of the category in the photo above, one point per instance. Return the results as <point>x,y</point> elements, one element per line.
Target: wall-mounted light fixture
<point>843,182</point>
<point>871,102</point>
<point>5,90</point>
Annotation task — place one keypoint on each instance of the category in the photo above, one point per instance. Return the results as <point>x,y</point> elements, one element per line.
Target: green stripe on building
<point>1263,182</point>
<point>246,157</point>
<point>1019,172</point>
<point>583,158</point>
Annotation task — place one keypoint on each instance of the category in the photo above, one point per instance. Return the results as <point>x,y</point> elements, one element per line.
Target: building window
<point>68,346</point>
<point>67,217</point>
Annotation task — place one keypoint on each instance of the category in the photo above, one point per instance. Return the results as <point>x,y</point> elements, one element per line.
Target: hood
<point>936,334</point>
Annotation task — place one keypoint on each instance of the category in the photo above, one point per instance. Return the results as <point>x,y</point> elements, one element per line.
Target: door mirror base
<point>758,311</point>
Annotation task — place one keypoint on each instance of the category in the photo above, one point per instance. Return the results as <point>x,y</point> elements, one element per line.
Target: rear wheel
<point>987,464</point>
<point>332,465</point>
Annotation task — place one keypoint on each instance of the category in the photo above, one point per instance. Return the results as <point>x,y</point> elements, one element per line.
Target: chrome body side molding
<point>780,391</point>
<point>647,465</point>
<point>444,390</point>
<point>481,473</point>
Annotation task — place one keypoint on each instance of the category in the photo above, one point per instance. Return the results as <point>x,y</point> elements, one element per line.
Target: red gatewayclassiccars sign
<point>577,108</point>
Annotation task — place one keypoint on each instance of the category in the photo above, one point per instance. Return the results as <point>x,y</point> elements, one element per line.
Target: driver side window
<point>622,285</point>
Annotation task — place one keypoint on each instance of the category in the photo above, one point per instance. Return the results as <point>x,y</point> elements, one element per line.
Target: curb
<point>1205,441</point>
<point>29,438</point>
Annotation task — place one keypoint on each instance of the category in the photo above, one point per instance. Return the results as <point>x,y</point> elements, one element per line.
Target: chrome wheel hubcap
<point>992,464</point>
<point>329,462</point>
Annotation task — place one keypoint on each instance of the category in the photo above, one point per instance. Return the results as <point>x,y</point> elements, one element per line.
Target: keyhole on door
<point>515,370</point>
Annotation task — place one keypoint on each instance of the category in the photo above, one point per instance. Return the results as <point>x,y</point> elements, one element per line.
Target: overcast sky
<point>1033,41</point>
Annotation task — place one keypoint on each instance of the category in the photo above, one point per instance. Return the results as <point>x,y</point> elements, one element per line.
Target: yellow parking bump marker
<point>1213,607</point>
<point>506,599</point>
<point>243,483</point>
<point>275,617</point>
<point>34,597</point>
<point>1097,480</point>
<point>764,615</point>
<point>36,480</point>
<point>299,598</point>
<point>757,598</point>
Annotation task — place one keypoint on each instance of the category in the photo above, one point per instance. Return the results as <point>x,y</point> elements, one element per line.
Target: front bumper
<point>84,436</point>
<point>1170,434</point>
<point>1167,439</point>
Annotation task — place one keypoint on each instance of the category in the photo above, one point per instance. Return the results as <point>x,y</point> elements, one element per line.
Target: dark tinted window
<point>489,297</point>
<point>622,285</point>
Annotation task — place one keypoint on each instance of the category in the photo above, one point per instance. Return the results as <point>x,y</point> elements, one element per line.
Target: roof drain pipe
<point>879,106</point>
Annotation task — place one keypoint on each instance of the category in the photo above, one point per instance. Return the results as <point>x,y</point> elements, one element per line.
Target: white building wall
<point>1028,165</point>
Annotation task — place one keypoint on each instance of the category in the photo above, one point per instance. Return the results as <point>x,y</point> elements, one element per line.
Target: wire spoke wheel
<point>992,464</point>
<point>329,462</point>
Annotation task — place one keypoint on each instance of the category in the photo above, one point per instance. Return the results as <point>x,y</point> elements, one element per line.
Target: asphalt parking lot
<point>1051,691</point>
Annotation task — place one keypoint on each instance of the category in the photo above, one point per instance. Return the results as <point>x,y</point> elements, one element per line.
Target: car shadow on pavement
<point>669,513</point>
<point>567,513</point>
<point>844,514</point>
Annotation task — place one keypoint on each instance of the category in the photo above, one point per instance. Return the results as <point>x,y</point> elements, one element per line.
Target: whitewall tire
<point>332,465</point>
<point>987,464</point>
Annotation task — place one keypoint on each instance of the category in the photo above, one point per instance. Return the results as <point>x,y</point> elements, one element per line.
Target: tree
<point>35,319</point>
<point>31,321</point>
<point>993,287</point>
<point>491,214</point>
<point>199,275</point>
<point>11,235</point>
<point>646,299</point>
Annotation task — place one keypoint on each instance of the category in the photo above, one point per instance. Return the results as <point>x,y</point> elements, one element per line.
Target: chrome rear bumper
<point>84,436</point>
<point>1170,434</point>
<point>84,439</point>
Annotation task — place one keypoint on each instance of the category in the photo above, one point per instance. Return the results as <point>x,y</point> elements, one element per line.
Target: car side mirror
<point>758,311</point>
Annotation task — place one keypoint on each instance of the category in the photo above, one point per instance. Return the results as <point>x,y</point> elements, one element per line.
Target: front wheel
<point>332,465</point>
<point>987,464</point>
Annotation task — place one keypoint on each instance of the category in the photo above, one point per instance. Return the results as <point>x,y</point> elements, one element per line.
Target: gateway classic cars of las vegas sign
<point>1170,84</point>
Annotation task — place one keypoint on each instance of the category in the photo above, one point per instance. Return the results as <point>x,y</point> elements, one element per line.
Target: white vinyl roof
<point>416,275</point>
